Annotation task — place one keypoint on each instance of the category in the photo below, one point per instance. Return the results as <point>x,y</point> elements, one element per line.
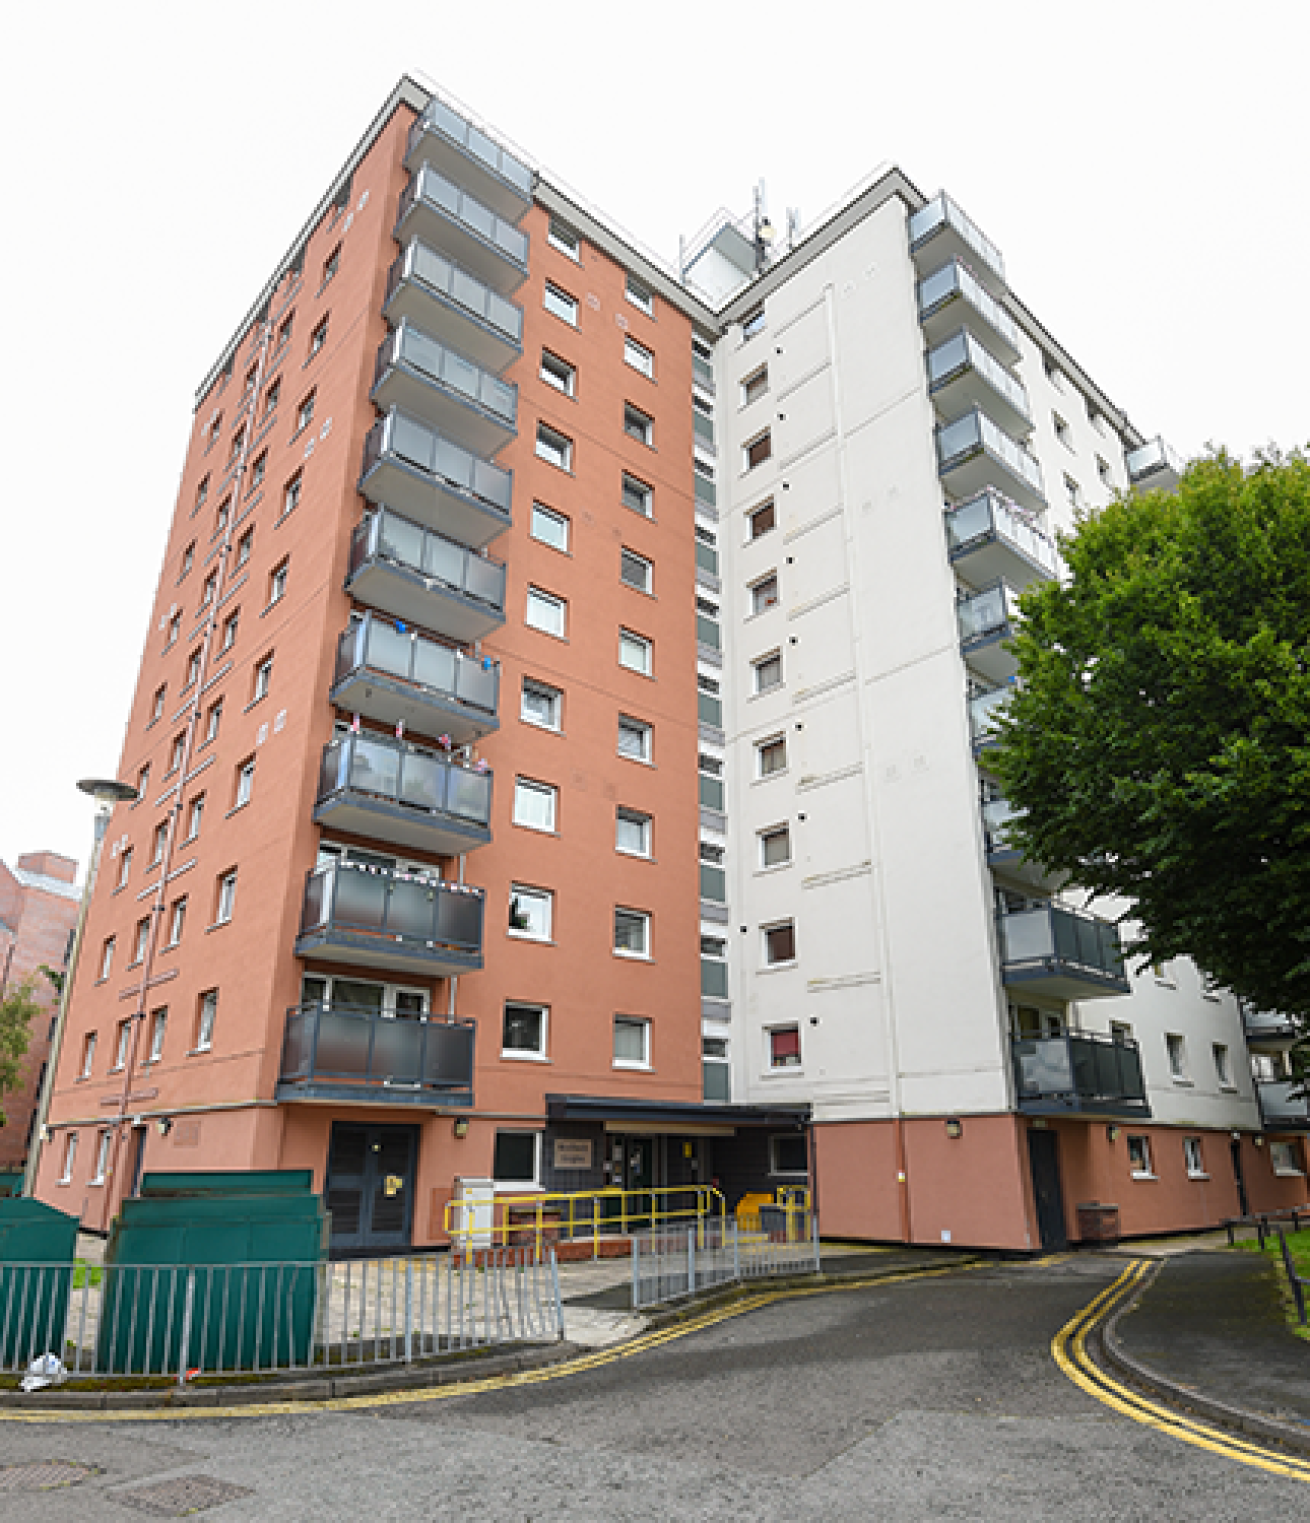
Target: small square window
<point>550,527</point>
<point>245,782</point>
<point>558,373</point>
<point>305,413</point>
<point>531,912</point>
<point>757,451</point>
<point>318,338</point>
<point>632,933</point>
<point>785,1047</point>
<point>636,495</point>
<point>632,831</point>
<point>516,1158</point>
<point>524,1030</point>
<point>1194,1158</point>
<point>226,899</point>
<point>637,424</point>
<point>1176,1046</point>
<point>1052,372</point>
<point>1283,1158</point>
<point>771,756</point>
<point>635,739</point>
<point>780,943</point>
<point>206,1016</point>
<point>534,804</point>
<point>639,295</point>
<point>636,652</point>
<point>631,1042</point>
<point>755,386</point>
<point>768,672</point>
<point>764,593</point>
<point>775,846</point>
<point>635,570</point>
<point>1073,492</point>
<point>554,448</point>
<point>560,304</point>
<point>546,612</point>
<point>762,519</point>
<point>263,679</point>
<point>639,357</point>
<point>562,237</point>
<point>752,322</point>
<point>1139,1157</point>
<point>541,705</point>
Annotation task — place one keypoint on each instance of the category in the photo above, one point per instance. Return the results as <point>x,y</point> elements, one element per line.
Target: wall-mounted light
<point>1112,1133</point>
<point>461,1127</point>
<point>1258,1140</point>
<point>165,1125</point>
<point>954,1127</point>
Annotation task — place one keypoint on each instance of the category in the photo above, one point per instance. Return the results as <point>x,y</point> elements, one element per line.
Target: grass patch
<point>1299,1245</point>
<point>87,1274</point>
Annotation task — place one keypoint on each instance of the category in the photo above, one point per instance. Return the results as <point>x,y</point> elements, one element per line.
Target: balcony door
<point>370,1187</point>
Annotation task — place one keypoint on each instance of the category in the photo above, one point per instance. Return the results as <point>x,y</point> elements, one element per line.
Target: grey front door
<point>370,1187</point>
<point>1044,1160</point>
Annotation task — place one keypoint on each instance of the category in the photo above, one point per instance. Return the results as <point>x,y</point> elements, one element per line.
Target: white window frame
<point>785,1066</point>
<point>543,794</point>
<point>633,486</point>
<point>766,931</point>
<point>562,237</point>
<point>544,900</point>
<point>70,1157</point>
<point>765,593</point>
<point>756,513</point>
<point>755,385</point>
<point>1286,1151</point>
<point>1194,1158</point>
<point>1175,1045</point>
<point>107,957</point>
<point>631,725</point>
<point>88,1055</point>
<point>548,519</point>
<point>158,1031</point>
<point>637,919</point>
<point>558,374</point>
<point>772,834</point>
<point>1141,1168</point>
<point>636,653</point>
<point>227,898</point>
<point>102,1155</point>
<point>263,679</point>
<point>638,357</point>
<point>760,667</point>
<point>630,560</point>
<point>767,745</point>
<point>544,605</point>
<point>554,447</point>
<point>535,1054</point>
<point>245,783</point>
<point>638,425</point>
<point>560,303</point>
<point>542,690</point>
<point>641,824</point>
<point>177,921</point>
<point>206,1019</point>
<point>1223,1064</point>
<point>509,1186</point>
<point>641,297</point>
<point>632,1023</point>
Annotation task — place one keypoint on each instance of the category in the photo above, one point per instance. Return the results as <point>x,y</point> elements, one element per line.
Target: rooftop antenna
<point>763,229</point>
<point>793,226</point>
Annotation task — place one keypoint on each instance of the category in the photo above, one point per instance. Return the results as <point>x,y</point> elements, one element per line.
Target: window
<point>785,1047</point>
<point>635,652</point>
<point>188,560</point>
<point>245,782</point>
<point>541,705</point>
<point>305,413</point>
<point>177,921</point>
<point>1283,1158</point>
<point>318,338</point>
<point>754,386</point>
<point>639,295</point>
<point>257,472</point>
<point>1139,1157</point>
<point>212,721</point>
<point>222,516</point>
<point>524,1031</point>
<point>157,703</point>
<point>1062,430</point>
<point>271,398</point>
<point>757,451</point>
<point>1121,1031</point>
<point>70,1153</point>
<point>1052,371</point>
<point>140,940</point>
<point>764,593</point>
<point>1103,471</point>
<point>534,804</point>
<point>752,322</point>
<point>631,1042</point>
<point>632,933</point>
<point>142,783</point>
<point>1176,1046</point>
<point>238,439</point>
<point>1073,492</point>
<point>120,1048</point>
<point>760,520</point>
<point>263,678</point>
<point>636,495</point>
<point>634,739</point>
<point>775,846</point>
<point>771,756</point>
<point>192,669</point>
<point>330,266</point>
<point>227,898</point>
<point>554,448</point>
<point>562,237</point>
<point>124,868</point>
<point>638,356</point>
<point>202,491</point>
<point>1222,1065</point>
<point>277,583</point>
<point>158,1024</point>
<point>558,373</point>
<point>515,1158</point>
<point>1193,1158</point>
<point>635,570</point>
<point>208,588</point>
<point>550,527</point>
<point>230,626</point>
<point>206,1015</point>
<point>102,1156</point>
<point>637,424</point>
<point>174,629</point>
<point>244,546</point>
<point>560,304</point>
<point>194,815</point>
<point>291,494</point>
<point>88,1054</point>
<point>157,843</point>
<point>780,943</point>
<point>632,832</point>
<point>106,957</point>
<point>530,912</point>
<point>284,332</point>
<point>768,672</point>
<point>545,612</point>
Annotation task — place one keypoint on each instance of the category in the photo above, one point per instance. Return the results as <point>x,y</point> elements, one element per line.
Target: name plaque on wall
<point>573,1152</point>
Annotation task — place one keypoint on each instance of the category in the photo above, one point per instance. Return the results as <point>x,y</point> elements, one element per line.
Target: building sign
<point>573,1152</point>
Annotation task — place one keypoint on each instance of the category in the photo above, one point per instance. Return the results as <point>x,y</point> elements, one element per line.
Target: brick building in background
<point>561,740</point>
<point>38,910</point>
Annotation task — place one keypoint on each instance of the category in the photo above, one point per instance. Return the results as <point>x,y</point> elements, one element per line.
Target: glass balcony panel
<point>986,612</point>
<point>434,666</point>
<point>955,282</point>
<point>388,650</point>
<point>705,491</point>
<point>443,559</point>
<point>447,1055</point>
<point>297,1046</point>
<point>343,1044</point>
<point>503,314</point>
<point>314,911</point>
<point>397,1050</point>
<point>334,768</point>
<point>1025,936</point>
<point>479,218</point>
<point>714,978</point>
<point>942,213</point>
<point>702,372</point>
<point>459,374</point>
<point>452,463</point>
<point>482,147</point>
<point>436,188</point>
<point>411,909</point>
<point>412,441</point>
<point>716,1083</point>
<point>711,791</point>
<point>459,919</point>
<point>485,580</point>
<point>708,632</point>
<point>398,539</point>
<point>478,684</point>
<point>374,767</point>
<point>703,428</point>
<point>707,558</point>
<point>713,883</point>
<point>1044,1067</point>
<point>358,900</point>
<point>469,794</point>
<point>499,397</point>
<point>948,357</point>
<point>422,781</point>
<point>709,710</point>
<point>983,710</point>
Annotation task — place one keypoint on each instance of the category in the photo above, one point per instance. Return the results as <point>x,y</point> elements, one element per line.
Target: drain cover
<point>43,1475</point>
<point>181,1497</point>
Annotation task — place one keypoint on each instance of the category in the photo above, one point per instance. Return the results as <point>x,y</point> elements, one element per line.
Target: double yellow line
<point>1069,1349</point>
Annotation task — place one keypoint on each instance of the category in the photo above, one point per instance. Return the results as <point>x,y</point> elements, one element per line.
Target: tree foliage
<point>1158,740</point>
<point>17,1009</point>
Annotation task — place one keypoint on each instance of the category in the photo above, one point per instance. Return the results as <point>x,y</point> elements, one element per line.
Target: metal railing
<point>467,212</point>
<point>393,540</point>
<point>537,1220</point>
<point>373,644</point>
<point>424,1059</point>
<point>976,433</point>
<point>442,366</point>
<point>433,271</point>
<point>672,1262</point>
<point>185,1320</point>
<point>420,782</point>
<point>955,280</point>
<point>479,145</point>
<point>1079,1071</point>
<point>405,909</point>
<point>942,211</point>
<point>401,439</point>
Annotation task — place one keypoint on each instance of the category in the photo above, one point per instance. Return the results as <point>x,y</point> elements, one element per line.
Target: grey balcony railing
<point>1056,939</point>
<point>389,1058</point>
<point>990,516</point>
<point>964,352</point>
<point>987,613</point>
<point>401,912</point>
<point>982,713</point>
<point>376,645</point>
<point>396,541</point>
<point>484,151</point>
<point>1268,1025</point>
<point>709,710</point>
<point>436,191</point>
<point>997,814</point>
<point>410,348</point>
<point>975,433</point>
<point>1283,1102</point>
<point>1079,1071</point>
<point>713,883</point>
<point>1152,458</point>
<point>703,428</point>
<point>399,437</point>
<point>415,781</point>
<point>702,372</point>
<point>451,282</point>
<point>943,213</point>
<point>955,280</point>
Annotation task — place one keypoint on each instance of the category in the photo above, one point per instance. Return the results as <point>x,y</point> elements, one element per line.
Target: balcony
<point>1005,858</point>
<point>962,373</point>
<point>1269,1030</point>
<point>1078,1072</point>
<point>1065,954</point>
<point>989,539</point>
<point>983,709</point>
<point>430,291</point>
<point>424,578</point>
<point>447,218</point>
<point>953,297</point>
<point>419,376</point>
<point>986,621</point>
<point>384,790</point>
<point>396,676</point>
<point>1283,1108</point>
<point>941,231</point>
<point>974,453</point>
<point>1155,467</point>
<point>402,923</point>
<point>444,139</point>
<point>434,481</point>
<point>357,1055</point>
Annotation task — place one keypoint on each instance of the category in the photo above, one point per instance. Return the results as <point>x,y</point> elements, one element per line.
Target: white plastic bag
<point>45,1370</point>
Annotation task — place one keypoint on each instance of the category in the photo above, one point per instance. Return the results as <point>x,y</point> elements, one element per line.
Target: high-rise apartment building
<point>561,741</point>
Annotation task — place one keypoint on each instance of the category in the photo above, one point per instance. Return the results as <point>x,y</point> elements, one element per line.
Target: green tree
<point>1158,739</point>
<point>17,1009</point>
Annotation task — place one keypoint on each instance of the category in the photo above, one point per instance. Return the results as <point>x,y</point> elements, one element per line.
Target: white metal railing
<point>668,1263</point>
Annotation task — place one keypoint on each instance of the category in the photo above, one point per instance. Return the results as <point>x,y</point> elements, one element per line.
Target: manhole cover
<point>181,1497</point>
<point>43,1475</point>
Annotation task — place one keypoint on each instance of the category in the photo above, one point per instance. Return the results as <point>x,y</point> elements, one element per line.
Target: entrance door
<point>1044,1160</point>
<point>1235,1146</point>
<point>370,1186</point>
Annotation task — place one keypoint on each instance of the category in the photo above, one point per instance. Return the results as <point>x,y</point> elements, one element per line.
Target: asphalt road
<point>933,1399</point>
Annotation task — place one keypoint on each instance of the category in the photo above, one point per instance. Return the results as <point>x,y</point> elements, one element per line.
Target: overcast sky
<point>1142,166</point>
